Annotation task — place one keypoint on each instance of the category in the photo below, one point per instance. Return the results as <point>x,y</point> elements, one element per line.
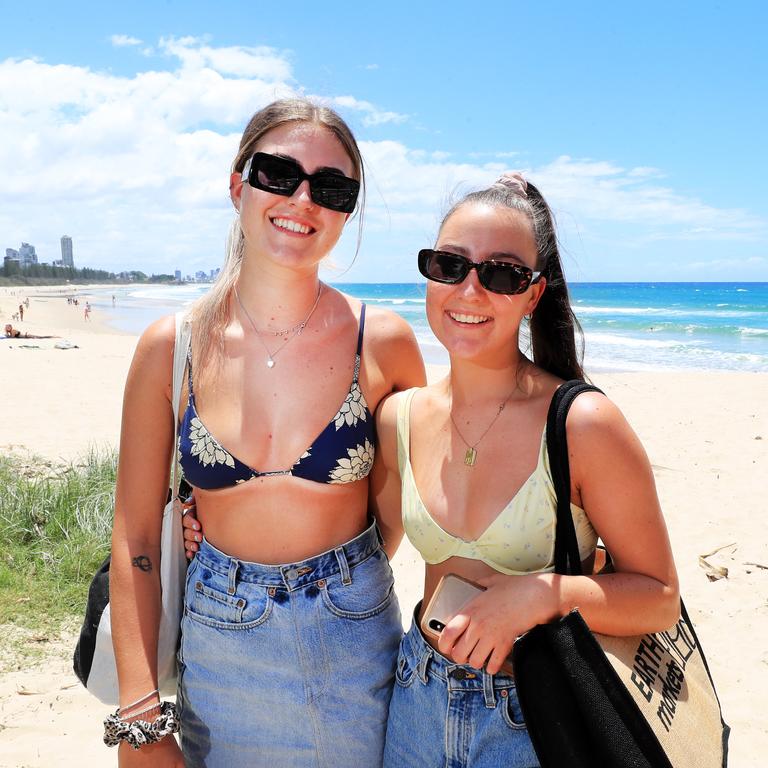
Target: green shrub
<point>55,527</point>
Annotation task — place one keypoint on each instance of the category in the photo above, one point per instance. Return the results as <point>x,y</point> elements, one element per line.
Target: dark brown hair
<point>556,338</point>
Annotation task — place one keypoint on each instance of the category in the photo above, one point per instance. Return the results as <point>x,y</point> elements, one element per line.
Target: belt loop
<point>341,557</point>
<point>488,693</point>
<point>426,657</point>
<point>232,585</point>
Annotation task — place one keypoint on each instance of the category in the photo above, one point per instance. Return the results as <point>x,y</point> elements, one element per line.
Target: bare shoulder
<point>391,345</point>
<point>593,413</point>
<point>386,414</point>
<point>598,431</point>
<point>153,358</point>
<point>385,326</point>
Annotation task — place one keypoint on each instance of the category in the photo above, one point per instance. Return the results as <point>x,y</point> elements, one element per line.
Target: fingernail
<point>197,537</point>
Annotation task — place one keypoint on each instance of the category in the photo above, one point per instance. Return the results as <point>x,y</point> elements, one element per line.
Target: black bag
<point>595,700</point>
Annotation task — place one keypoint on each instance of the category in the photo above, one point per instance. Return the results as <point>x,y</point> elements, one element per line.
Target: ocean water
<point>627,326</point>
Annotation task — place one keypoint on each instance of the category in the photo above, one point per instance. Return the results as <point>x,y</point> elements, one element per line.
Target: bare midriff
<point>276,520</point>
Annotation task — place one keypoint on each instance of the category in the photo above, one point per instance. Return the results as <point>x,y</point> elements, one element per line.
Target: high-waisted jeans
<point>452,715</point>
<point>283,665</point>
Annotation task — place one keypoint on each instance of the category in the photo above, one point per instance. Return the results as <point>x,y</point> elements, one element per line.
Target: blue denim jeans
<point>450,715</point>
<point>283,665</point>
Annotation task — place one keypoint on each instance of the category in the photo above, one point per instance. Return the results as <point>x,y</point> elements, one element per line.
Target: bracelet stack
<point>127,724</point>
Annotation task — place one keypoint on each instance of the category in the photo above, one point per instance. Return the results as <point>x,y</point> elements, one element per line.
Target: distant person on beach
<point>463,470</point>
<point>21,312</point>
<point>15,333</point>
<point>277,439</point>
<point>87,311</point>
<point>113,299</point>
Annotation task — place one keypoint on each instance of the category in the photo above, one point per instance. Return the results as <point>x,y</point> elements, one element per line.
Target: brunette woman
<point>463,469</point>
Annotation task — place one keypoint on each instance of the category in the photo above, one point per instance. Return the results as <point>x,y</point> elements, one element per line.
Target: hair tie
<point>513,180</point>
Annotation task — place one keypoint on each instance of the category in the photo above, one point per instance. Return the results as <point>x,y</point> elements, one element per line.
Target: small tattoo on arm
<point>142,562</point>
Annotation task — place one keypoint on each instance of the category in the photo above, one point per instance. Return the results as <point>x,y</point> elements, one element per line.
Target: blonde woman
<point>291,625</point>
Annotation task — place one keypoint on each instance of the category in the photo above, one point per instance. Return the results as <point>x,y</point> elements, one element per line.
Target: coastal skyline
<point>642,127</point>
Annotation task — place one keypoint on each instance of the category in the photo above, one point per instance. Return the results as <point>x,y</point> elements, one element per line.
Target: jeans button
<point>458,674</point>
<point>291,574</point>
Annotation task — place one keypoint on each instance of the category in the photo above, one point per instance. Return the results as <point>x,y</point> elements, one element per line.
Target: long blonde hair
<point>210,314</point>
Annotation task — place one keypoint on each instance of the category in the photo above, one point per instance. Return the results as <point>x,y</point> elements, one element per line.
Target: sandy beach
<point>706,435</point>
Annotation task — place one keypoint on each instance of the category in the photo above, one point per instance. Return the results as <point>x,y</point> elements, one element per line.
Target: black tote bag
<point>588,699</point>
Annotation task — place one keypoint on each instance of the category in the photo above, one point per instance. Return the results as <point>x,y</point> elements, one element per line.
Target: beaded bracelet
<point>140,732</point>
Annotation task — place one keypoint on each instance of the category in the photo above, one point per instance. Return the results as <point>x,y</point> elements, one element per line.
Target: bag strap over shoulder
<point>567,558</point>
<point>180,349</point>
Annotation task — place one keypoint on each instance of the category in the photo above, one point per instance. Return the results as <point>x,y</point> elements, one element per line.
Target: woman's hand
<point>483,632</point>
<point>193,531</point>
<point>163,754</point>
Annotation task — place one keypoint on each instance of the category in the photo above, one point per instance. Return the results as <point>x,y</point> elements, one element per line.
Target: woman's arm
<point>612,481</point>
<point>142,485</point>
<point>384,492</point>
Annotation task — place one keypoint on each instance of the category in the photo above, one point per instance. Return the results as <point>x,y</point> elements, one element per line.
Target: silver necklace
<point>470,457</point>
<point>291,333</point>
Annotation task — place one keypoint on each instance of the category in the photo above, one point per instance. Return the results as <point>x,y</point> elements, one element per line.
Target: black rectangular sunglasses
<point>503,277</point>
<point>282,176</point>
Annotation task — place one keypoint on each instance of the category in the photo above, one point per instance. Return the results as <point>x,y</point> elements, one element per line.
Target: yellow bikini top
<point>521,539</point>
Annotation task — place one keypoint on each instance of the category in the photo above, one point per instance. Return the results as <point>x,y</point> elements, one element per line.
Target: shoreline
<point>624,330</point>
<point>705,434</point>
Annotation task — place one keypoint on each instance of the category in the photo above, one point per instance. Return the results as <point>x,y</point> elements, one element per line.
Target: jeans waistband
<point>457,677</point>
<point>293,575</point>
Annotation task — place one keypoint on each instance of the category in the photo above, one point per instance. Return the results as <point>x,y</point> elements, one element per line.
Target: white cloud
<point>602,191</point>
<point>371,114</point>
<point>121,41</point>
<point>241,61</point>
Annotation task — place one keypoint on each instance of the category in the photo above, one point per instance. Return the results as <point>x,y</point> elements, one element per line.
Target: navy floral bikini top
<point>342,453</point>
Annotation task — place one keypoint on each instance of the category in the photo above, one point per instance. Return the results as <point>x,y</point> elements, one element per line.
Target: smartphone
<point>450,596</point>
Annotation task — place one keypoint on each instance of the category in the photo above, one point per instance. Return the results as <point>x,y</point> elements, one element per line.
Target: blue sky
<point>642,124</point>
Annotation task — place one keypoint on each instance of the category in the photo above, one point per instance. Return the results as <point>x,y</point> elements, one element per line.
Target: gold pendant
<point>470,457</point>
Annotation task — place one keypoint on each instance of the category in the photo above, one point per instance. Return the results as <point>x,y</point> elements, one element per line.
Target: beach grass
<point>56,525</point>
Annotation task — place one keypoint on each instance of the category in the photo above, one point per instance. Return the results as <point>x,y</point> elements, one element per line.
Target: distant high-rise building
<point>177,275</point>
<point>27,255</point>
<point>11,253</point>
<point>66,252</point>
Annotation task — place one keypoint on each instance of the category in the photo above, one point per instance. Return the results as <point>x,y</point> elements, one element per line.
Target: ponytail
<point>556,337</point>
<point>557,340</point>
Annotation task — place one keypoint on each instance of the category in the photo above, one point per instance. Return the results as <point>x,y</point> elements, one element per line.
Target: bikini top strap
<point>189,370</point>
<point>359,345</point>
<point>404,427</point>
<point>360,332</point>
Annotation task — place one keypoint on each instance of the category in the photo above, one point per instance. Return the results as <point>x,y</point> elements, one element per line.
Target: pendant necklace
<point>470,457</point>
<point>290,333</point>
